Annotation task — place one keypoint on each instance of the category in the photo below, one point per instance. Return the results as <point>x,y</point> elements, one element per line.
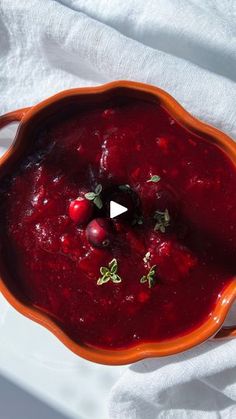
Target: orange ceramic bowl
<point>29,119</point>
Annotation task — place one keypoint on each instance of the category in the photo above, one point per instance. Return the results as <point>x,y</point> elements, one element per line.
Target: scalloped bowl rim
<point>143,350</point>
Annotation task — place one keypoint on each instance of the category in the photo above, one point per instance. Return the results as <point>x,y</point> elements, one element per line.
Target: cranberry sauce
<point>164,262</point>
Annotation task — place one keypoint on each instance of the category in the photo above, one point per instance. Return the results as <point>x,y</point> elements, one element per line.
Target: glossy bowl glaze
<point>30,119</point>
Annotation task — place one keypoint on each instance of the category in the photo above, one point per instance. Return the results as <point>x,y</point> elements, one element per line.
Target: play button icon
<point>116,209</point>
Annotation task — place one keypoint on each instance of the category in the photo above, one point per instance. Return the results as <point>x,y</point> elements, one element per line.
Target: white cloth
<point>187,47</point>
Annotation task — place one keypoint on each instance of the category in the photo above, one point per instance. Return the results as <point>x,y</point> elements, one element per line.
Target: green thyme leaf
<point>152,271</point>
<point>167,216</point>
<point>112,263</point>
<point>143,279</point>
<point>151,282</point>
<point>104,270</point>
<point>90,196</point>
<point>117,279</point>
<point>154,178</point>
<point>98,189</point>
<point>114,269</point>
<point>95,196</point>
<point>98,202</point>
<point>110,273</point>
<point>150,277</point>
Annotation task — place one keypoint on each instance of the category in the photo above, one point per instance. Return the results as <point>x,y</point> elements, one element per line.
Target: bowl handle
<point>10,117</point>
<point>226,332</point>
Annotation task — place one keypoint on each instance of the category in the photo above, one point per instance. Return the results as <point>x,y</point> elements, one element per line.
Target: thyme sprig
<point>154,179</point>
<point>109,274</point>
<point>95,196</point>
<point>150,277</point>
<point>162,220</point>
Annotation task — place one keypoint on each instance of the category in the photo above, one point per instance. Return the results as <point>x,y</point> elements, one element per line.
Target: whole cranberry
<point>80,210</point>
<point>100,232</point>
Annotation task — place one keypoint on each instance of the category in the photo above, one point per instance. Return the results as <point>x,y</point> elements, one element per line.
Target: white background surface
<point>187,47</point>
<point>33,358</point>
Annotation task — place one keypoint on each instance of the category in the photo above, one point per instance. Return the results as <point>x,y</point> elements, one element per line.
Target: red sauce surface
<point>50,258</point>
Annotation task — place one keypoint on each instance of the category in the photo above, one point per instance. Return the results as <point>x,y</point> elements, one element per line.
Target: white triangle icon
<point>116,209</point>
